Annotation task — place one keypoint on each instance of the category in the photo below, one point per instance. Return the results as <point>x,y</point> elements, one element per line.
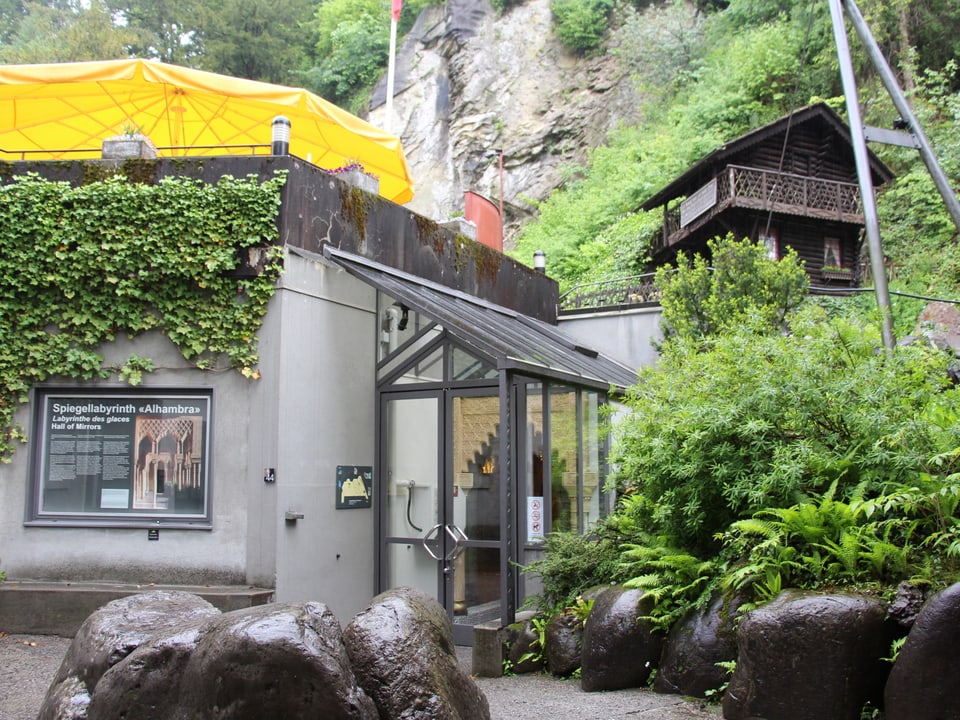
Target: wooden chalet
<point>792,183</point>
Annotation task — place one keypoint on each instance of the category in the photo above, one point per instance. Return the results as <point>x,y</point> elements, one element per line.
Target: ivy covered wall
<point>82,264</point>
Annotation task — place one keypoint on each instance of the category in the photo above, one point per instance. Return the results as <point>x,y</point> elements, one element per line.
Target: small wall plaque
<point>354,486</point>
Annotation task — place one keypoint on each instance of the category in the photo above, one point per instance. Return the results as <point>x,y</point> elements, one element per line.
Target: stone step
<point>59,608</point>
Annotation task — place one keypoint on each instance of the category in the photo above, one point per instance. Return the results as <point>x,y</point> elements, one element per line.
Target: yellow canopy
<point>75,106</point>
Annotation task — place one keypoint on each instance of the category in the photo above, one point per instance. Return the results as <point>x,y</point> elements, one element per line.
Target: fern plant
<point>813,544</point>
<point>673,579</point>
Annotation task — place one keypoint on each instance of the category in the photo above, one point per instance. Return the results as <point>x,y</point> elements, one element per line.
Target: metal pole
<point>903,107</point>
<point>864,175</point>
<point>391,74</point>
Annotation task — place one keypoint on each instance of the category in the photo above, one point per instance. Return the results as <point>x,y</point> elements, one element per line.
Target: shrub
<point>725,428</point>
<point>581,25</point>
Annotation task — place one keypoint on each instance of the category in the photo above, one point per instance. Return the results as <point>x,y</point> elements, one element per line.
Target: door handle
<point>458,536</point>
<point>431,535</point>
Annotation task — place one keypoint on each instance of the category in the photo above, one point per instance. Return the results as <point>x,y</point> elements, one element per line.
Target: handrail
<point>252,147</point>
<point>629,290</point>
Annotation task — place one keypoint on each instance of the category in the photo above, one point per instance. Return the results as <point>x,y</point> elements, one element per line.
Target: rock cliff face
<point>471,84</point>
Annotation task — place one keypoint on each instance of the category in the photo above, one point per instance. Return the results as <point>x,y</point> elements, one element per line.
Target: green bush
<point>581,25</point>
<point>724,428</point>
<point>571,564</point>
<point>735,286</point>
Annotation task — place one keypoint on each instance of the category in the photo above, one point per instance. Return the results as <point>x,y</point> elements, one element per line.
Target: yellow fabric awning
<point>49,109</point>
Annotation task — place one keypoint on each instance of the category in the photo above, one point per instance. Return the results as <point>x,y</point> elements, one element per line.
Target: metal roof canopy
<point>514,341</point>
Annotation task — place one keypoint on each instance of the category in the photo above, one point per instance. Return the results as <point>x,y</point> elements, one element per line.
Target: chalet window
<point>121,458</point>
<point>832,258</point>
<point>770,238</point>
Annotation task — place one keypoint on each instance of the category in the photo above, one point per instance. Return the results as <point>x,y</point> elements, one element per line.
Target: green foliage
<point>816,543</point>
<point>538,624</point>
<point>674,579</point>
<point>917,231</point>
<point>571,564</point>
<point>737,285</point>
<point>82,265</point>
<point>581,25</point>
<point>352,44</point>
<point>258,39</point>
<point>45,34</point>
<point>662,46</point>
<point>723,429</point>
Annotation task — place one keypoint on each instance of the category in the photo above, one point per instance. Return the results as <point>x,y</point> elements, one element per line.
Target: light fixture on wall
<point>280,135</point>
<point>540,261</point>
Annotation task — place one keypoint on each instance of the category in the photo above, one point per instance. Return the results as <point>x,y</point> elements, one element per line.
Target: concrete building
<point>420,419</point>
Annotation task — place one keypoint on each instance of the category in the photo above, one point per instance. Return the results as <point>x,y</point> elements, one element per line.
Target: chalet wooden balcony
<point>766,191</point>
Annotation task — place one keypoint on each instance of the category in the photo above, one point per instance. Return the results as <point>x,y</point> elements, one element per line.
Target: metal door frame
<point>443,531</point>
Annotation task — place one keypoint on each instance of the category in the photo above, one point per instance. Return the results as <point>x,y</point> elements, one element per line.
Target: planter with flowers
<point>356,176</point>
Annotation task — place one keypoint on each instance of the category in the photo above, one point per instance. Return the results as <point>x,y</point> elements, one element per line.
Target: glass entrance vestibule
<point>488,438</point>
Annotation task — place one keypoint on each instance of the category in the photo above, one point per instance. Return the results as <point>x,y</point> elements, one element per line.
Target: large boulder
<point>620,650</point>
<point>805,656</point>
<point>921,681</point>
<point>696,643</point>
<point>107,636</point>
<point>402,652</point>
<point>283,660</point>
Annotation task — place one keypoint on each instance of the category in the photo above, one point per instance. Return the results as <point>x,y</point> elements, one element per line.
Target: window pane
<point>533,465</point>
<point>564,458</point>
<point>464,366</point>
<point>592,476</point>
<point>476,466</point>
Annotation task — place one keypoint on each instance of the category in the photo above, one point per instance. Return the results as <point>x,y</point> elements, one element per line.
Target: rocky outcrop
<point>920,686</point>
<point>402,651</point>
<point>620,649</point>
<point>805,656</point>
<point>470,84</point>
<point>696,644</point>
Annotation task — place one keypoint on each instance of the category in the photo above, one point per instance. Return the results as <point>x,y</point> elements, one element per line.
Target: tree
<point>257,39</point>
<point>581,25</point>
<point>66,32</point>
<point>736,285</point>
<point>167,30</point>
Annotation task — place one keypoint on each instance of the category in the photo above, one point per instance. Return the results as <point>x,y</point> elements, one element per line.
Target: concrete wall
<point>311,410</point>
<point>191,556</point>
<point>325,395</point>
<point>625,335</point>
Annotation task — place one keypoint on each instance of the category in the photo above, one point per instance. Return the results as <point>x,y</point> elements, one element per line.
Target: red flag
<point>397,5</point>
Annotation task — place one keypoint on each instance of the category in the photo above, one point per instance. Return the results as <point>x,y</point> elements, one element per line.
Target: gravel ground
<point>29,662</point>
<point>27,666</point>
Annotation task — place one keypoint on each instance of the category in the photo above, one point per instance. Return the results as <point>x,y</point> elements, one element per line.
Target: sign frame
<point>121,457</point>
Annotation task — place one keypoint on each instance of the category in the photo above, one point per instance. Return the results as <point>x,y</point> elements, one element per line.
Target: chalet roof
<point>819,112</point>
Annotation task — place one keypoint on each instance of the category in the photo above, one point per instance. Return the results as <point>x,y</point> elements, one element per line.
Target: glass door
<point>440,485</point>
